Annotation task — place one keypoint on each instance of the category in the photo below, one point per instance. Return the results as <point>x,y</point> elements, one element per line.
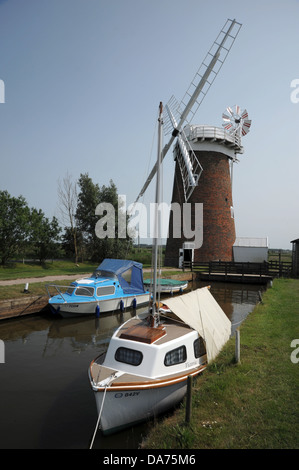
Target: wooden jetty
<point>27,305</point>
<point>237,278</point>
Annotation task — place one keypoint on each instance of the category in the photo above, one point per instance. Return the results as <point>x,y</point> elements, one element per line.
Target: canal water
<point>45,398</point>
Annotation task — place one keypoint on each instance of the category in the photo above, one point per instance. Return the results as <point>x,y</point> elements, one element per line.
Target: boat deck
<point>100,373</point>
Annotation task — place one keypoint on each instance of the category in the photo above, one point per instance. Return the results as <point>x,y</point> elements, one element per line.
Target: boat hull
<point>125,407</point>
<point>168,288</point>
<point>72,309</point>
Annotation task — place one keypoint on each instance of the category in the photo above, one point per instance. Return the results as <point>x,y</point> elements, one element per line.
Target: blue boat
<point>115,285</point>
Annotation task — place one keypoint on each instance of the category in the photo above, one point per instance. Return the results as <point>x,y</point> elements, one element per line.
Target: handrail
<point>58,287</point>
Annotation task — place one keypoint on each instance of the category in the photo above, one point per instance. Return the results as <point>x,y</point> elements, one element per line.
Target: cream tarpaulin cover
<point>200,310</point>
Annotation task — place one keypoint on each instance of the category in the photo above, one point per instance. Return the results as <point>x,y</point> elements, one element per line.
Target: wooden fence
<point>270,268</point>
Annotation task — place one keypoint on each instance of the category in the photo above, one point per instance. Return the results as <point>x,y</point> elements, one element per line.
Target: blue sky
<point>84,78</point>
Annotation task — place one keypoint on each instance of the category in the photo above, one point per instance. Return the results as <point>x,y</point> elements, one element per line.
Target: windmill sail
<point>200,84</point>
<point>189,165</point>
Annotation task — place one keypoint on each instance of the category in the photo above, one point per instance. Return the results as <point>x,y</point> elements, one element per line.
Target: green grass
<point>37,288</point>
<point>55,268</point>
<point>35,270</point>
<point>251,405</point>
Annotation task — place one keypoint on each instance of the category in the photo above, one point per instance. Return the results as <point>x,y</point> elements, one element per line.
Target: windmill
<point>236,121</point>
<point>189,169</point>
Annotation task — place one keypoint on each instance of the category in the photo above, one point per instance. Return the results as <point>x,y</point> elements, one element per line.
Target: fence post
<point>189,399</point>
<point>237,346</point>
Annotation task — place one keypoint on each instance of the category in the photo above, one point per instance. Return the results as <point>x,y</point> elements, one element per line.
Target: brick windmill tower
<point>215,151</point>
<point>203,171</point>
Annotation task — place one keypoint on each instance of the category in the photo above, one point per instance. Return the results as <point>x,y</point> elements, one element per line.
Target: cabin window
<point>70,290</point>
<point>87,291</point>
<point>176,356</point>
<point>127,275</point>
<point>129,356</point>
<point>199,347</point>
<point>105,290</point>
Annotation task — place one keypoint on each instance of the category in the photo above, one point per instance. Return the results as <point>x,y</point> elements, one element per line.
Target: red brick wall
<point>214,191</point>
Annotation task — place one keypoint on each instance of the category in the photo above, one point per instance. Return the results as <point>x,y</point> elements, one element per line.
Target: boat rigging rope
<point>99,417</point>
<point>114,376</point>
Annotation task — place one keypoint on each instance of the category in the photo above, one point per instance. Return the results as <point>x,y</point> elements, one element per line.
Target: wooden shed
<point>295,257</point>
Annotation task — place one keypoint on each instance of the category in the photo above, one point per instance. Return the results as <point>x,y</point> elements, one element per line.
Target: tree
<point>68,199</point>
<point>14,227</point>
<point>89,197</point>
<point>44,234</point>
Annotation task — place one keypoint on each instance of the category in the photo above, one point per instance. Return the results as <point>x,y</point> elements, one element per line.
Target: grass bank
<point>251,405</point>
<point>34,269</point>
<point>56,268</point>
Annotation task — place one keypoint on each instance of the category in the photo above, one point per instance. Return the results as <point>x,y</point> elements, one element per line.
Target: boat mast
<point>155,308</point>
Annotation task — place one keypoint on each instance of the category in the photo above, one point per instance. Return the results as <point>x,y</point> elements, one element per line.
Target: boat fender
<point>97,311</point>
<point>121,306</point>
<point>181,290</point>
<point>134,303</point>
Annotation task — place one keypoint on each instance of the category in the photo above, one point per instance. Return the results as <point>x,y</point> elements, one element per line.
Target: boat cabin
<point>155,352</point>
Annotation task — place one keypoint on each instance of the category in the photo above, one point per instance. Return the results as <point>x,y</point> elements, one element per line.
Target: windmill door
<point>186,255</point>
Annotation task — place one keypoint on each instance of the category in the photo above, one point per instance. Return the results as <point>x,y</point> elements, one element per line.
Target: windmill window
<point>176,356</point>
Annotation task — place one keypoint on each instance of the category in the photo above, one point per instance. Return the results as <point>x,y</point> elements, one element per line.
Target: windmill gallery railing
<point>271,268</point>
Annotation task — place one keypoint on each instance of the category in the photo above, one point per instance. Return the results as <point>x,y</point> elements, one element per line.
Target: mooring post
<point>189,399</point>
<point>237,347</point>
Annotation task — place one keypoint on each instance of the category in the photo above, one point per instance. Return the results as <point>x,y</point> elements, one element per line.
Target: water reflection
<point>45,397</point>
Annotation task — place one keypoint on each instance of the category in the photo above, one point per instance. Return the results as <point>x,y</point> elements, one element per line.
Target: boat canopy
<point>200,310</point>
<point>129,274</point>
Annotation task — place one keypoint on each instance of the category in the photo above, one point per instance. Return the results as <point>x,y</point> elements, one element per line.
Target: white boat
<point>167,286</point>
<point>150,357</point>
<point>115,285</point>
<point>145,369</point>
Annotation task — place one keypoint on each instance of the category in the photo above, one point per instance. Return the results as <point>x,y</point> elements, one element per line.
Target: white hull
<point>126,407</point>
<point>170,289</point>
<point>72,309</point>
